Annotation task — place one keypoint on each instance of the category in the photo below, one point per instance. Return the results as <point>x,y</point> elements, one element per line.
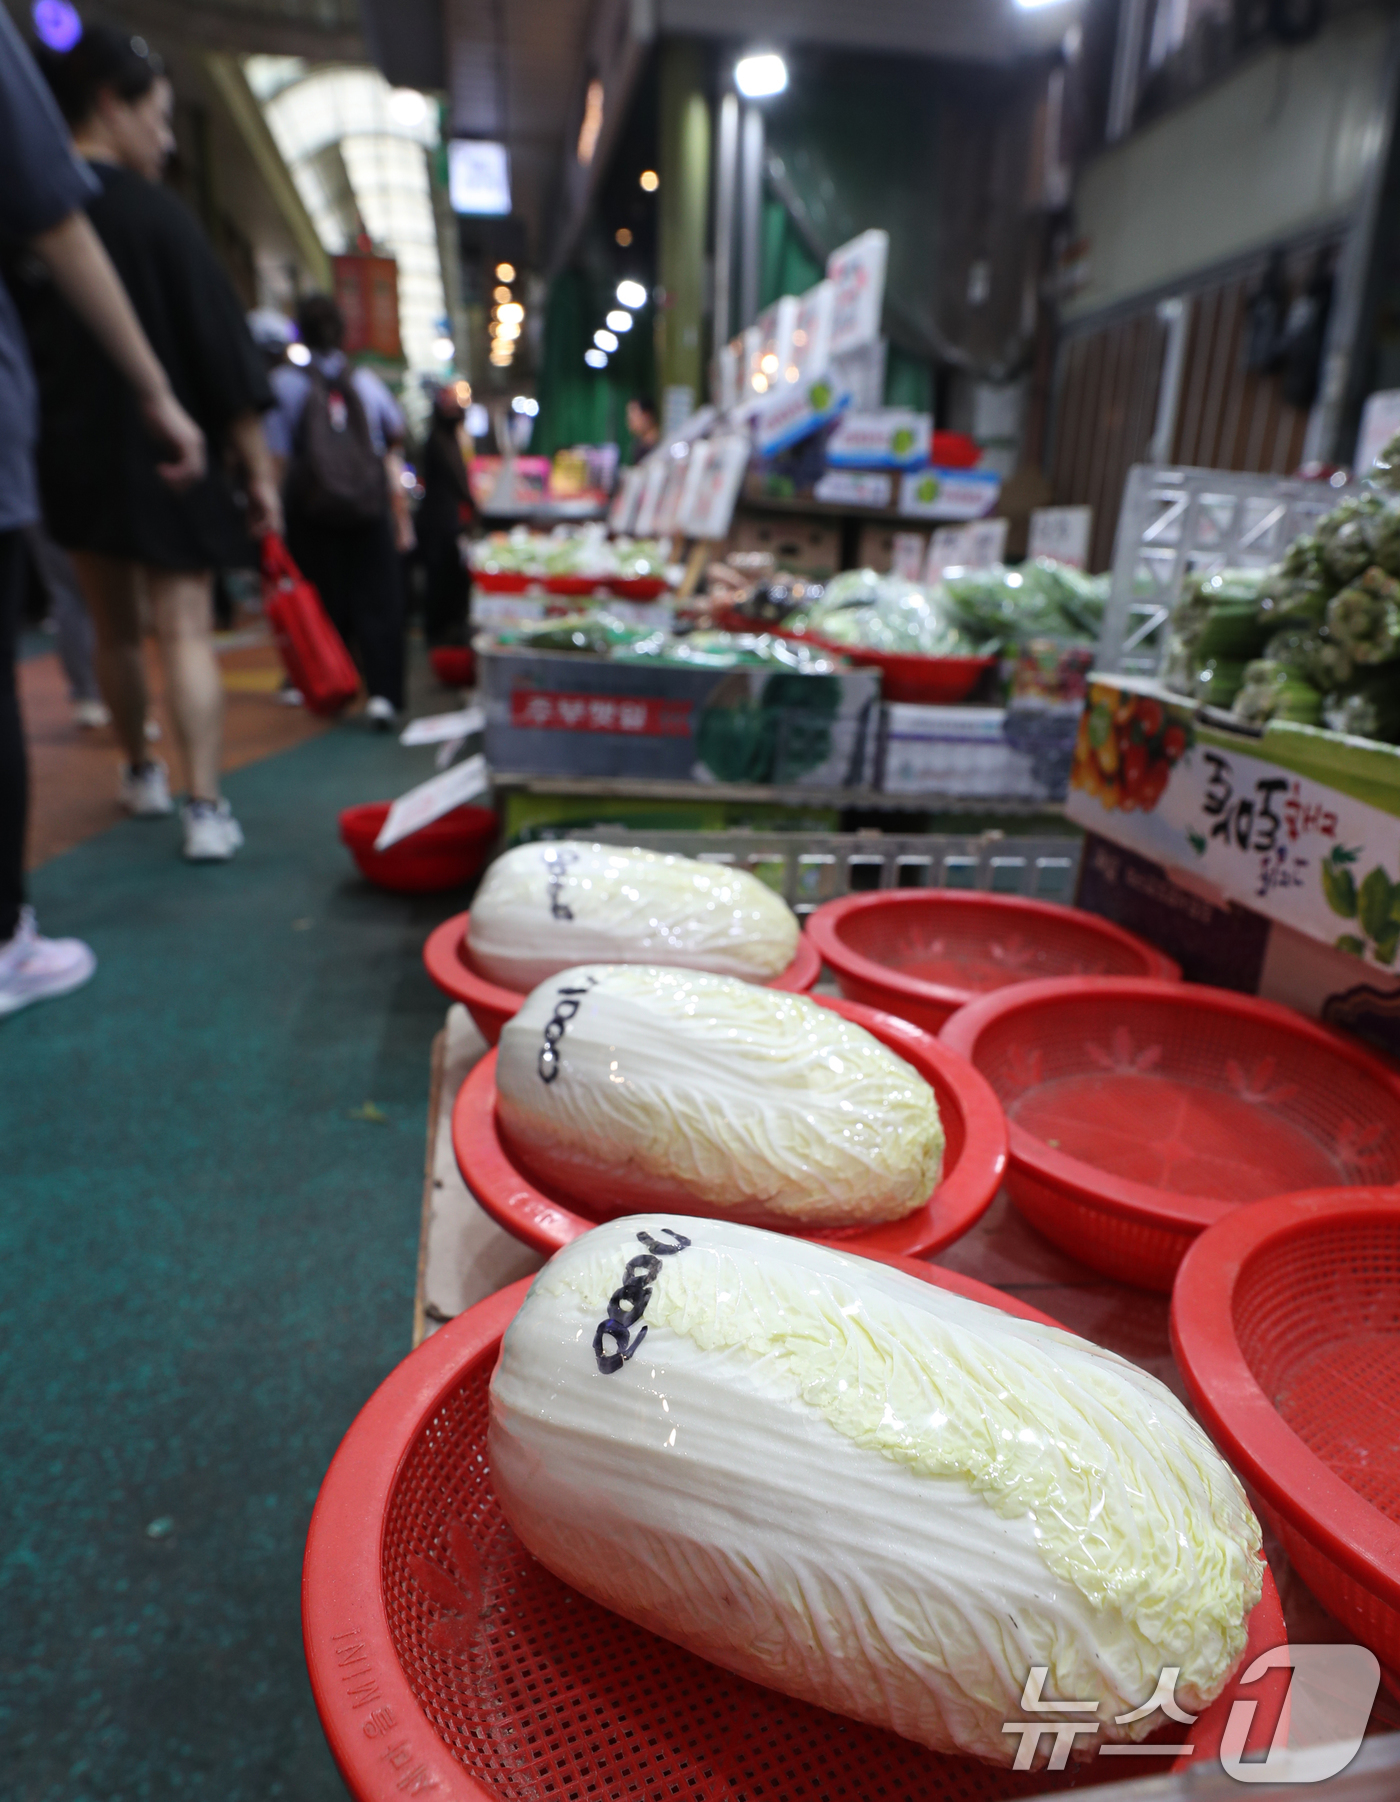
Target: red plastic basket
<point>924,953</point>
<point>443,855</point>
<point>927,681</point>
<point>446,1662</point>
<point>974,1161</point>
<point>1142,1112</point>
<point>502,581</point>
<point>637,588</point>
<point>448,959</point>
<point>572,585</point>
<point>1286,1325</point>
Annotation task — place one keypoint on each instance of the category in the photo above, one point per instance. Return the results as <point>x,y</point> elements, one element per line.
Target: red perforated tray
<point>446,1663</point>
<point>447,958</point>
<point>1286,1326</point>
<point>974,1159</point>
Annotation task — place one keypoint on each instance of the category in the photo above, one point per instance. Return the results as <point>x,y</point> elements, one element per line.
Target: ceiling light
<point>650,181</point>
<point>505,272</point>
<point>298,354</point>
<point>762,74</point>
<point>760,383</point>
<point>407,107</point>
<point>501,293</point>
<point>632,294</point>
<point>508,328</point>
<point>444,349</point>
<point>622,236</point>
<point>595,359</point>
<point>500,359</point>
<point>524,404</point>
<point>769,363</point>
<point>605,340</point>
<point>463,392</point>
<point>592,122</point>
<point>510,311</point>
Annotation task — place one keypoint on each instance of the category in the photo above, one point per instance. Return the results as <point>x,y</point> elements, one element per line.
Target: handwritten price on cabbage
<point>1374,903</point>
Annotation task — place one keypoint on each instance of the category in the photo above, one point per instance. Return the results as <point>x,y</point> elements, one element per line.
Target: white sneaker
<point>145,792</point>
<point>289,696</point>
<point>380,712</point>
<point>34,968</point>
<point>212,835</point>
<point>91,715</point>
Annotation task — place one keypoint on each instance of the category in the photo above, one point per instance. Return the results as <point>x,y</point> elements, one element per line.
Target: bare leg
<point>182,604</point>
<point>111,589</point>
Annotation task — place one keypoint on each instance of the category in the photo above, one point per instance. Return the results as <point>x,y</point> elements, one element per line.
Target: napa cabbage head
<point>631,1085</point>
<point>545,907</point>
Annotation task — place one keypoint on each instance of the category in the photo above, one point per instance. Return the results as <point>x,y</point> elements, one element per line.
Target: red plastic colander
<point>1286,1326</point>
<point>447,1663</point>
<point>447,957</point>
<point>974,1156</point>
<point>924,953</point>
<point>1142,1112</point>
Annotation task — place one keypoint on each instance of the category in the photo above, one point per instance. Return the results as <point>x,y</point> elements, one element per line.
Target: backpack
<point>336,476</point>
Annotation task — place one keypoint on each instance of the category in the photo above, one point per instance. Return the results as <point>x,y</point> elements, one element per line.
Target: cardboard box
<point>1242,817</point>
<point>1021,753</point>
<point>567,714</point>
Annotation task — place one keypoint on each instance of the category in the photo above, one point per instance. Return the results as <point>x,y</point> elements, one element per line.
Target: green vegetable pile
<point>1314,639</point>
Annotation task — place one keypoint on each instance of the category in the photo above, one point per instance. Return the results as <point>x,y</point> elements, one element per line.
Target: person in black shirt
<point>443,514</point>
<point>42,191</point>
<point>104,499</point>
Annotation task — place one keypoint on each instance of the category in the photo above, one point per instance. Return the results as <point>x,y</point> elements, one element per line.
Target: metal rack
<point>1176,523</point>
<point>809,868</point>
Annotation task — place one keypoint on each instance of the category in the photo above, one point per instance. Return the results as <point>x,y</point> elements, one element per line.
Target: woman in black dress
<point>104,499</point>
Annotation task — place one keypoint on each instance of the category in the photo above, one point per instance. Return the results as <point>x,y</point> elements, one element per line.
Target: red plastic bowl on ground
<point>446,1662</point>
<point>444,855</point>
<point>924,953</point>
<point>1286,1325</point>
<point>974,1160</point>
<point>1142,1112</point>
<point>454,665</point>
<point>448,959</point>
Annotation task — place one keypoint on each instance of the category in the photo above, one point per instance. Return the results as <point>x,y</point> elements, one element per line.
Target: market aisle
<point>207,1242</point>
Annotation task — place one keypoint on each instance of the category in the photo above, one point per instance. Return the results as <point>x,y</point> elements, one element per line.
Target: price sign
<point>1062,533</point>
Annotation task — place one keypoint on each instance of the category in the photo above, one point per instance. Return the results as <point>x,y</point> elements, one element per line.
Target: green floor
<point>206,1265</point>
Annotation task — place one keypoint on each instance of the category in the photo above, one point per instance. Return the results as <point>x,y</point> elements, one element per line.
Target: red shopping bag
<point>313,652</point>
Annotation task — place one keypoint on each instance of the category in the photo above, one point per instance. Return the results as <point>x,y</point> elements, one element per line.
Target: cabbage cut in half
<point>544,908</point>
<point>866,1492</point>
<point>627,1087</point>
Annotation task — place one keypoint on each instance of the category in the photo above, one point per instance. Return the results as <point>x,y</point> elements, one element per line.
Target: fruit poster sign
<point>1290,848</point>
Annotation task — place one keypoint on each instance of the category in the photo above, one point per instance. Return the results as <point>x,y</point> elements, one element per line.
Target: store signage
<point>544,710</point>
<point>626,501</point>
<point>907,551</point>
<point>367,293</point>
<point>1285,845</point>
<point>811,336</point>
<point>889,438</point>
<point>707,507</point>
<point>949,493</point>
<point>478,177</point>
<point>857,274</point>
<point>771,346</point>
<point>977,546</point>
<point>654,473</point>
<point>1062,533</point>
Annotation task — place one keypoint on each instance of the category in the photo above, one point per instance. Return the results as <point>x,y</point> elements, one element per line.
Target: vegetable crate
<point>1178,523</point>
<point>810,868</point>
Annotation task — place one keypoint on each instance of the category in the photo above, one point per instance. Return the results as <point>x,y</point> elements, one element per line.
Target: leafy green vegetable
<point>1272,690</point>
<point>1364,619</point>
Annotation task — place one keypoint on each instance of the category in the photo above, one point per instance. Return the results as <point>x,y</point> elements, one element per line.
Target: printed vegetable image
<point>927,489</point>
<point>627,1085</point>
<point>1374,903</point>
<point>778,738</point>
<point>863,1491</point>
<point>1127,747</point>
<point>543,908</point>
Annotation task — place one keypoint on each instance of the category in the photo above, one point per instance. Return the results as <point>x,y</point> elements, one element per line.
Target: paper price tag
<point>437,727</point>
<point>432,799</point>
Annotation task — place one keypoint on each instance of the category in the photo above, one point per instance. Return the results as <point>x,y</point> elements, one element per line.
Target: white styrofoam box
<point>958,751</point>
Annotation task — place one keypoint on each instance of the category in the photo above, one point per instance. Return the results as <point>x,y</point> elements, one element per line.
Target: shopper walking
<point>43,189</point>
<point>336,433</point>
<point>128,532</point>
<point>444,513</point>
<point>72,626</point>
